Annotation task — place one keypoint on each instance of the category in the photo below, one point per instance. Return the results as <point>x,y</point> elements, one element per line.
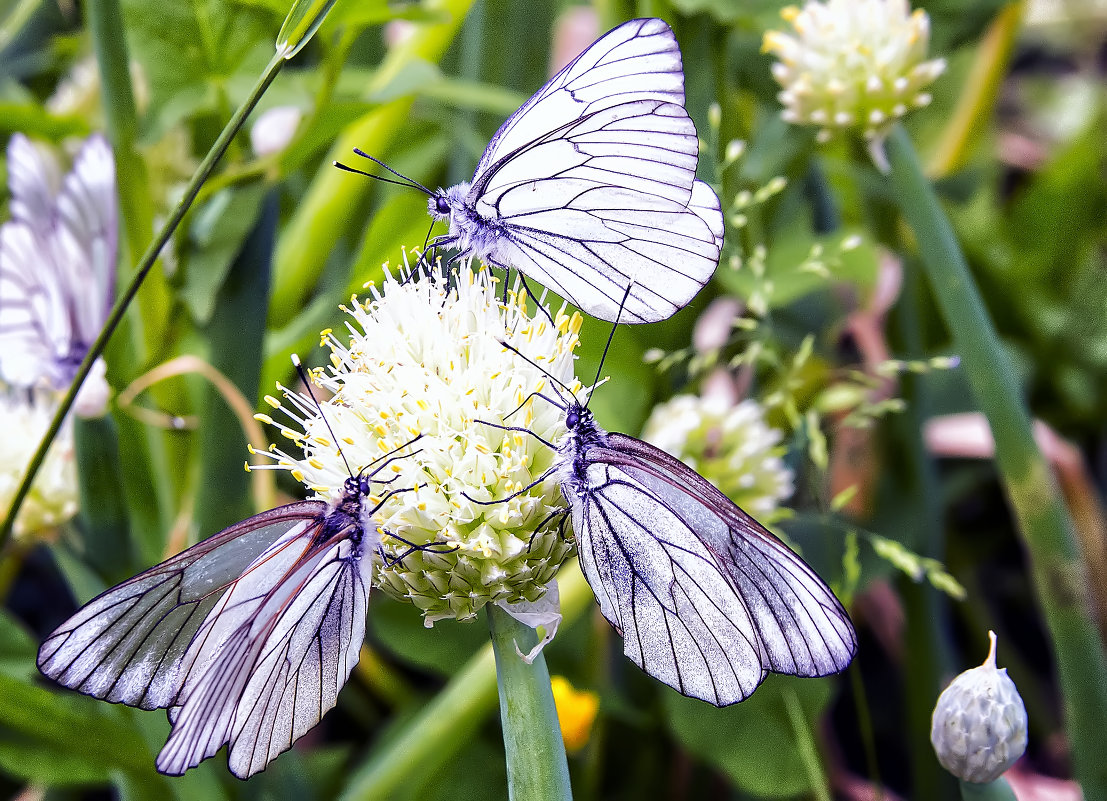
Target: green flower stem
<point>999,790</point>
<point>1044,522</point>
<point>202,172</point>
<point>333,202</point>
<point>536,765</point>
<point>443,728</point>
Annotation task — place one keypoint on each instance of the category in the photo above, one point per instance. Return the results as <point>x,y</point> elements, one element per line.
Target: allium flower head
<point>978,729</point>
<point>731,446</point>
<point>421,361</point>
<point>54,495</point>
<point>852,64</point>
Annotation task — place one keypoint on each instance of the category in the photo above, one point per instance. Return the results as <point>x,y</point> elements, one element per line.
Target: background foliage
<point>276,242</point>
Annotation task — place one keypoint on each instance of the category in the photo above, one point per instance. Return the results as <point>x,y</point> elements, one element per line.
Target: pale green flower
<point>54,495</point>
<point>852,64</point>
<point>420,361</point>
<point>730,445</point>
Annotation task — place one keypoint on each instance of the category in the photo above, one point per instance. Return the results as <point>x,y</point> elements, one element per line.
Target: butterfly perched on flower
<point>590,187</point>
<point>57,265</point>
<point>705,598</point>
<point>246,638</point>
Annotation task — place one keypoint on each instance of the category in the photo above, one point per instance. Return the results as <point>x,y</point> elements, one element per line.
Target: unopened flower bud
<point>979,724</point>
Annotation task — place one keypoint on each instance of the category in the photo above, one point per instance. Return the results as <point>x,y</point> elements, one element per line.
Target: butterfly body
<point>705,598</point>
<point>246,638</point>
<point>590,187</point>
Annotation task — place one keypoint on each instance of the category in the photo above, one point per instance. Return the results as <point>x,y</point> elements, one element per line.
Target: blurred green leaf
<point>65,739</point>
<point>17,648</point>
<point>753,742</point>
<point>215,237</point>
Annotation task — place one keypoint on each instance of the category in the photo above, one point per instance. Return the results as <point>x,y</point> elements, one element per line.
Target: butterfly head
<point>444,202</point>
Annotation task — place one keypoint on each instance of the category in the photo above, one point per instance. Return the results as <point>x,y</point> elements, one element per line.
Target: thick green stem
<point>999,790</point>
<point>1043,520</point>
<point>202,172</point>
<point>445,725</point>
<point>536,764</point>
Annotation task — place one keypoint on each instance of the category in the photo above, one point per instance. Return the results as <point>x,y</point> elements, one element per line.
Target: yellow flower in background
<point>576,710</point>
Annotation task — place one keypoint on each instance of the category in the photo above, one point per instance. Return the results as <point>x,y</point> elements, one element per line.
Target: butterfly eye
<point>442,205</point>
<point>571,419</point>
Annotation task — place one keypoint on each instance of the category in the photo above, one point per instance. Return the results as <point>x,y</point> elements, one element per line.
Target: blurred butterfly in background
<point>57,266</point>
<point>705,598</point>
<point>246,638</point>
<point>590,187</point>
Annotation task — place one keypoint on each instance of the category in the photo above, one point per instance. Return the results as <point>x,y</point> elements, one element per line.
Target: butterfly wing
<point>26,308</point>
<point>57,262</point>
<point>86,238</point>
<point>639,60</point>
<point>588,186</point>
<point>707,600</point>
<point>128,644</point>
<point>33,182</point>
<point>271,658</point>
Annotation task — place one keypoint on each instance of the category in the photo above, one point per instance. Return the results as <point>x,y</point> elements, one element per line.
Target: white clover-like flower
<point>852,64</point>
<point>423,361</point>
<point>54,495</point>
<point>731,446</point>
<point>979,724</point>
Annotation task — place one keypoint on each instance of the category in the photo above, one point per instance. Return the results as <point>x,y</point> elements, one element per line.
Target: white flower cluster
<point>54,495</point>
<point>852,64</point>
<point>731,446</point>
<point>423,361</point>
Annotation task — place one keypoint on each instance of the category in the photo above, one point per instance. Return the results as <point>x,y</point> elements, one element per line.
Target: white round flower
<point>421,361</point>
<point>731,446</point>
<point>54,494</point>
<point>852,64</point>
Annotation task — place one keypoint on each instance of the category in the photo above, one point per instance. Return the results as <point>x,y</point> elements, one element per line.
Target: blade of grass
<point>1044,522</point>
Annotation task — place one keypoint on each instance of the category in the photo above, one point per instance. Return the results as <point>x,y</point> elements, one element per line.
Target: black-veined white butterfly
<point>706,599</point>
<point>57,262</point>
<point>590,187</point>
<point>246,638</point>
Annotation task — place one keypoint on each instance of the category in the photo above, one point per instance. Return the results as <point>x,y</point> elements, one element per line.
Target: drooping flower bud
<point>979,724</point>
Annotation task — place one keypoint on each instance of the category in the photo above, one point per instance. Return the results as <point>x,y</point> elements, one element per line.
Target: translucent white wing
<point>27,308</point>
<point>33,183</point>
<point>57,262</point>
<point>272,656</point>
<point>639,60</point>
<point>605,238</point>
<point>86,238</point>
<point>706,599</point>
<point>128,644</point>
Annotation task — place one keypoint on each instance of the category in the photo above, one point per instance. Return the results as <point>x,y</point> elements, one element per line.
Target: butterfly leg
<point>523,491</point>
<point>563,512</point>
<point>428,547</point>
<point>520,429</point>
<point>548,400</point>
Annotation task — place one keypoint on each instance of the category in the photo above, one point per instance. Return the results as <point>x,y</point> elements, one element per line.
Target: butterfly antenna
<point>411,181</point>
<point>610,337</point>
<point>307,383</point>
<point>356,171</point>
